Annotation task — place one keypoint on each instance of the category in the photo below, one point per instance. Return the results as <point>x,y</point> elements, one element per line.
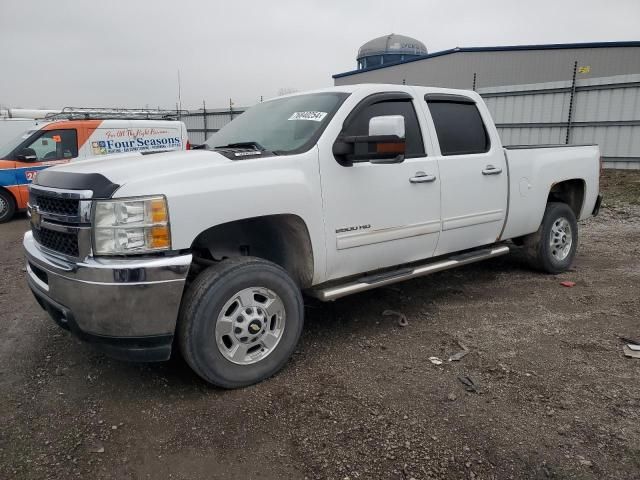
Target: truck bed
<point>534,169</point>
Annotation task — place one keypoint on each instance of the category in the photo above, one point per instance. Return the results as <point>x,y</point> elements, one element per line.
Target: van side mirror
<point>27,155</point>
<point>384,144</point>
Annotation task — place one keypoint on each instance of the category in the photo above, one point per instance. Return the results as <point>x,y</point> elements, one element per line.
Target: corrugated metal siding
<point>548,107</point>
<point>193,121</point>
<point>618,142</point>
<point>199,132</point>
<point>611,104</point>
<point>530,115</point>
<point>532,136</point>
<point>196,138</point>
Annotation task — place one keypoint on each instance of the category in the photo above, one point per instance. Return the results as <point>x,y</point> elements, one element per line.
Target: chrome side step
<point>405,273</point>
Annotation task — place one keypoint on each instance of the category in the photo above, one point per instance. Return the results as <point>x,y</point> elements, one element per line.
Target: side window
<point>413,136</point>
<point>459,127</point>
<point>54,145</point>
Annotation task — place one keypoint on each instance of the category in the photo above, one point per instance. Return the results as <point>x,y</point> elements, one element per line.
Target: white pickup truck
<point>329,193</point>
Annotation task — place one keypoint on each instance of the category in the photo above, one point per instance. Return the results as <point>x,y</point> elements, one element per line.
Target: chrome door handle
<point>422,177</point>
<point>491,170</point>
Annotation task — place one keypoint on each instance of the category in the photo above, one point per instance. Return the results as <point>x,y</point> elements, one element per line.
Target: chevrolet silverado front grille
<point>58,206</point>
<point>61,220</point>
<point>62,242</point>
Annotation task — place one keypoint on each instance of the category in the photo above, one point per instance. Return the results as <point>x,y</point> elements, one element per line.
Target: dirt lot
<point>555,396</point>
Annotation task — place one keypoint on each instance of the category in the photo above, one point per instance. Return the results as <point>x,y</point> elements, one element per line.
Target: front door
<point>46,148</point>
<point>380,215</point>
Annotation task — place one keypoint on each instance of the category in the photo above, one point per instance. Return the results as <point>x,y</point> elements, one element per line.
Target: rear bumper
<point>126,308</point>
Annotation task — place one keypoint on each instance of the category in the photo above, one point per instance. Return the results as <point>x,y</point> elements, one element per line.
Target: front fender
<point>239,190</point>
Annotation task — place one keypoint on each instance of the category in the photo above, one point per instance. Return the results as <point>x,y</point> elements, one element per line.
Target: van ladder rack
<point>99,113</point>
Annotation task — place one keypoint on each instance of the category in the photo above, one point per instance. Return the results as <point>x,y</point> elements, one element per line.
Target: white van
<point>11,128</point>
<point>61,141</point>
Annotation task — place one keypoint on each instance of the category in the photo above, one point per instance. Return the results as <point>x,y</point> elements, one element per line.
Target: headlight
<point>134,225</point>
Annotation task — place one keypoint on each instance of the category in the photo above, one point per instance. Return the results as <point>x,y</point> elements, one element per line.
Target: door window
<point>459,127</point>
<point>53,145</point>
<point>413,136</point>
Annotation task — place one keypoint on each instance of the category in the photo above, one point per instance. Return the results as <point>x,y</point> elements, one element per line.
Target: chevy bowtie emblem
<point>254,328</point>
<point>36,218</point>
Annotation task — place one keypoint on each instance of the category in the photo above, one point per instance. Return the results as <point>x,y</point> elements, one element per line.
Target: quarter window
<point>459,127</point>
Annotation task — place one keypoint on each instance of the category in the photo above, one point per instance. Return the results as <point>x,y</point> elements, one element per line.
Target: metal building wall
<point>456,69</point>
<point>605,111</point>
<point>202,123</point>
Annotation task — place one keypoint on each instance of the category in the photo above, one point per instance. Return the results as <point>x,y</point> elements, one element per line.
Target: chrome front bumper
<point>126,305</point>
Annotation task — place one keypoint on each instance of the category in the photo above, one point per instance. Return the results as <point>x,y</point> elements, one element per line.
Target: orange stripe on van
<point>85,128</point>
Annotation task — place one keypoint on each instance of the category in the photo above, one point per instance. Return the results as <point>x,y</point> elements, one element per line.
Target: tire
<point>553,247</point>
<point>7,206</point>
<point>221,311</point>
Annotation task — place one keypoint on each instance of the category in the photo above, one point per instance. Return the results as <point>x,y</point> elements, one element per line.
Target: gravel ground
<point>552,397</point>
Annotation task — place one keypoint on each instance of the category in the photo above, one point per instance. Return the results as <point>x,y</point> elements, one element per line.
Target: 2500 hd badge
<point>353,229</point>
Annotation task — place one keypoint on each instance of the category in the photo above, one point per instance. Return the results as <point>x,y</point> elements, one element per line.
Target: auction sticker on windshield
<point>313,116</point>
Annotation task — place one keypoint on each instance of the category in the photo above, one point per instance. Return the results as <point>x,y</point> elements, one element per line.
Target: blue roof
<point>506,48</point>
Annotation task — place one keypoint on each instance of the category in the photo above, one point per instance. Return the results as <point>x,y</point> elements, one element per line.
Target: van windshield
<point>284,125</point>
<point>7,148</point>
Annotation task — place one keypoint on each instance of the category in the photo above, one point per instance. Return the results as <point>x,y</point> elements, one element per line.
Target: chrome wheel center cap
<point>255,326</point>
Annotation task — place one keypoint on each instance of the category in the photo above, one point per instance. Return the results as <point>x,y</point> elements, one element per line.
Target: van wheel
<point>553,247</point>
<point>240,321</point>
<point>7,206</point>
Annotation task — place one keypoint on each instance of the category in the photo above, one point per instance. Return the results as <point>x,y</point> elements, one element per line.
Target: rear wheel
<point>553,247</point>
<point>240,322</point>
<point>7,206</point>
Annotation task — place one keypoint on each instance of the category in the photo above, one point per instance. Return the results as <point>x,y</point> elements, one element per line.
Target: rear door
<point>380,215</point>
<point>473,172</point>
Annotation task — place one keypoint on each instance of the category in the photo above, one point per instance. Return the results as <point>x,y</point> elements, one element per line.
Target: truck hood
<point>135,168</point>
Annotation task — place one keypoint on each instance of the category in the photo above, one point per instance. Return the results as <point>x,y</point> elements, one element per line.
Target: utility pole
<point>231,109</point>
<point>204,119</point>
<point>179,92</point>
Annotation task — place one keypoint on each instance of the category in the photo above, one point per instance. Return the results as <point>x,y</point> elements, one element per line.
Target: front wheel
<point>553,247</point>
<point>7,206</point>
<point>240,321</point>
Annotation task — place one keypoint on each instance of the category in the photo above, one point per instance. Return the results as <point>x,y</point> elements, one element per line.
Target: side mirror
<point>387,125</point>
<point>385,143</point>
<point>27,155</point>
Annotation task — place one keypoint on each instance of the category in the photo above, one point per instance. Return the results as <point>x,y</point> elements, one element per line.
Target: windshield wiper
<point>255,145</point>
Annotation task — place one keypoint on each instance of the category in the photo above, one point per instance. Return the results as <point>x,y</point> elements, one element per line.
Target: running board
<point>374,281</point>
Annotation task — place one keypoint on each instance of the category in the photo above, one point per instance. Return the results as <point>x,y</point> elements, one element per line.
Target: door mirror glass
<point>387,125</point>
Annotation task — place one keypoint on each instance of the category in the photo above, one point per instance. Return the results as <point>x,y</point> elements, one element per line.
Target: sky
<point>127,53</point>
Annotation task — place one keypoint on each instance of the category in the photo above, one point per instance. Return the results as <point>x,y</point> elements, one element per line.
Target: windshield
<point>10,146</point>
<point>283,125</point>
